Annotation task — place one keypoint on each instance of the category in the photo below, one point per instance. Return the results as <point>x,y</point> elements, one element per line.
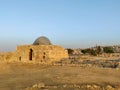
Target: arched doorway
<point>20,58</point>
<point>30,54</point>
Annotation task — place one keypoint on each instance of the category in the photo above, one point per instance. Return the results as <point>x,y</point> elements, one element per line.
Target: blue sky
<point>69,23</point>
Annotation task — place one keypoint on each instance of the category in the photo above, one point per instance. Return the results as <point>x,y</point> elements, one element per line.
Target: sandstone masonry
<point>35,53</point>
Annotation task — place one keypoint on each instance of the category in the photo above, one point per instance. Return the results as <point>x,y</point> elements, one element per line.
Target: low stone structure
<point>42,51</point>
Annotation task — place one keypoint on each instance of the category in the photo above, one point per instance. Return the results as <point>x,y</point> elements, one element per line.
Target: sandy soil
<point>20,76</point>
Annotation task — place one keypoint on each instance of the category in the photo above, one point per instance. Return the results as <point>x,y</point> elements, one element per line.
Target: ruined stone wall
<point>41,53</point>
<point>110,55</point>
<point>35,53</point>
<point>8,56</point>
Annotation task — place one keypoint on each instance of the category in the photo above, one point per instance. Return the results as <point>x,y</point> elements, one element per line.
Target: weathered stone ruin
<point>42,51</point>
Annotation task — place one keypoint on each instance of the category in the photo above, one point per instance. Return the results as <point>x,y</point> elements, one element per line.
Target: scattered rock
<point>55,87</point>
<point>39,85</point>
<point>64,86</point>
<point>108,87</point>
<point>88,86</point>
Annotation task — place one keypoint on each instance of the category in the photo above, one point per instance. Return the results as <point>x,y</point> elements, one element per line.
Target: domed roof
<point>42,41</point>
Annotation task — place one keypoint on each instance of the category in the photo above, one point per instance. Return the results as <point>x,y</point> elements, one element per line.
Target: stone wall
<point>35,53</point>
<point>8,56</point>
<point>110,55</point>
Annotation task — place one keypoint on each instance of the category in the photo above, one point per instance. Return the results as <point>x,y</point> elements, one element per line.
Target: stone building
<point>41,51</point>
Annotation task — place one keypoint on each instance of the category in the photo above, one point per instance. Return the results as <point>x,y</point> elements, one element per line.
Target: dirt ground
<point>18,76</point>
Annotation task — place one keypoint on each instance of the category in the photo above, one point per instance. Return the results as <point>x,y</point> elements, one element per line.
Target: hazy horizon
<point>69,23</point>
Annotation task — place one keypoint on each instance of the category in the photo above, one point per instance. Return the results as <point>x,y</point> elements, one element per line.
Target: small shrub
<point>108,50</point>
